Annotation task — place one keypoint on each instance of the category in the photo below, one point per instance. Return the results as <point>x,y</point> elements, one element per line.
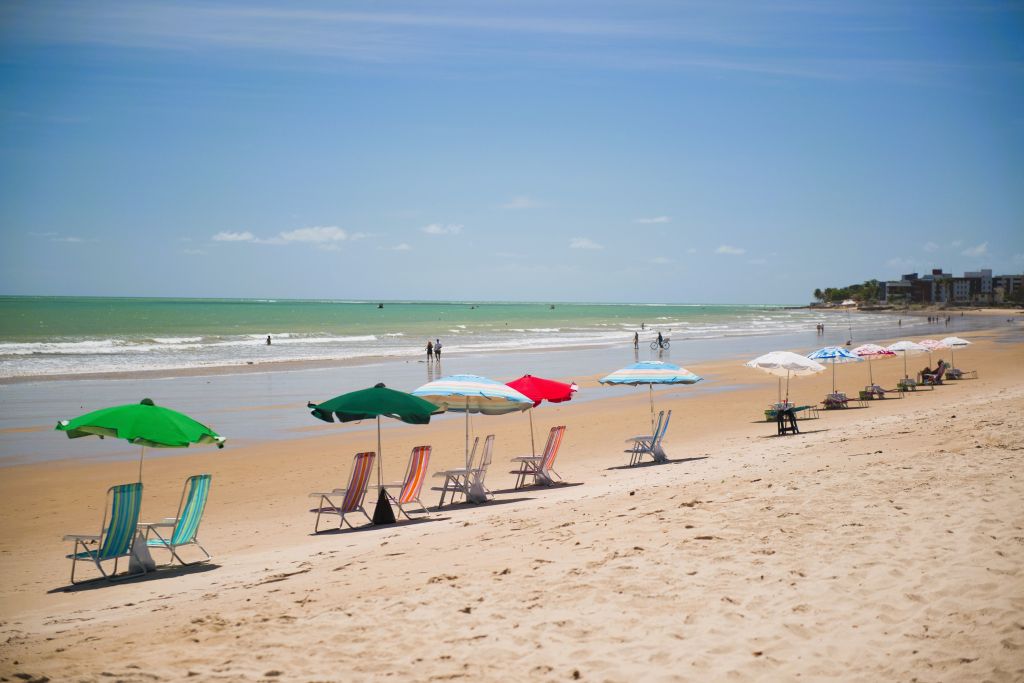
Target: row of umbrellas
<point>148,425</point>
<point>787,364</point>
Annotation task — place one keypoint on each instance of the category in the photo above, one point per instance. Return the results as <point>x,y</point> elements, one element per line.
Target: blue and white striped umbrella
<point>834,354</point>
<point>473,394</point>
<point>651,372</point>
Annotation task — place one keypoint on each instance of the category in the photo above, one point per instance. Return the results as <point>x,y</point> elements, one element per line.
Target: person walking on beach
<point>636,340</point>
<point>430,350</point>
<point>437,350</point>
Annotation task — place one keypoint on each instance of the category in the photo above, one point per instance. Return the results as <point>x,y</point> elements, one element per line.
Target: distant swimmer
<point>268,340</point>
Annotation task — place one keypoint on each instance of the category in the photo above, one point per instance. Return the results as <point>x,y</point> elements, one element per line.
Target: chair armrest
<point>528,458</point>
<point>164,523</point>
<point>81,537</point>
<point>320,494</point>
<point>640,438</point>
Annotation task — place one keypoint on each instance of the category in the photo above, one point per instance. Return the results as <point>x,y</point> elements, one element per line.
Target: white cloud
<point>193,252</point>
<point>661,260</point>
<point>976,250</point>
<point>442,229</point>
<point>691,250</point>
<point>521,202</point>
<point>234,237</point>
<point>401,247</point>
<point>584,243</point>
<point>316,235</point>
<point>359,236</point>
<point>67,240</point>
<point>956,243</point>
<point>732,251</point>
<point>656,219</point>
<point>930,246</point>
<point>757,261</point>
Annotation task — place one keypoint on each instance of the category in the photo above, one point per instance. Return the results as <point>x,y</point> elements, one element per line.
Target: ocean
<point>67,336</point>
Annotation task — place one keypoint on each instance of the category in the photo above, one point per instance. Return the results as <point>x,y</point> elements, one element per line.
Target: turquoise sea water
<point>77,335</point>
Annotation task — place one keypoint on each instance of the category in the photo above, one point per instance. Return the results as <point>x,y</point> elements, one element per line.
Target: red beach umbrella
<point>538,389</point>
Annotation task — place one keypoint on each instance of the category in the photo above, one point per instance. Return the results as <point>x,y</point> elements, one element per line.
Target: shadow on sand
<point>653,463</point>
<point>162,572</point>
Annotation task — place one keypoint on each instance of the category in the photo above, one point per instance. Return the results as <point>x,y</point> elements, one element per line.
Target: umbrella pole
<point>905,375</point>
<point>467,432</point>
<point>533,448</point>
<point>780,385</point>
<point>833,375</point>
<point>142,455</point>
<point>380,457</point>
<point>871,375</point>
<point>787,386</point>
<point>650,388</point>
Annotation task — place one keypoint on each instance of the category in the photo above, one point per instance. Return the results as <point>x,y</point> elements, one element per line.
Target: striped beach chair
<point>477,491</point>
<point>415,475</point>
<point>185,526</point>
<point>650,445</point>
<point>350,497</point>
<point>116,535</point>
<point>457,480</point>
<point>540,467</point>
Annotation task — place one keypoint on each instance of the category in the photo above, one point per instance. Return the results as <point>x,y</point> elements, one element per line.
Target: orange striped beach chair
<point>540,467</point>
<point>351,497</point>
<point>415,475</point>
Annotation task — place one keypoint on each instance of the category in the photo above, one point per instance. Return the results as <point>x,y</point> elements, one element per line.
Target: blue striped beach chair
<point>116,535</point>
<point>185,526</point>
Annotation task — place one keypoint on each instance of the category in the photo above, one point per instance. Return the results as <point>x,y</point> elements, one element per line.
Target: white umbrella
<point>953,343</point>
<point>932,345</point>
<point>870,351</point>
<point>784,364</point>
<point>473,394</point>
<point>906,347</point>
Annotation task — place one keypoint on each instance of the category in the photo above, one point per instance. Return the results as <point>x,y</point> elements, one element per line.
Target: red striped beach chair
<point>415,475</point>
<point>351,497</point>
<point>540,467</point>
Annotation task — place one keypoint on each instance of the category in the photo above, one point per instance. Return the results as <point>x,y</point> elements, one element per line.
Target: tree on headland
<point>866,292</point>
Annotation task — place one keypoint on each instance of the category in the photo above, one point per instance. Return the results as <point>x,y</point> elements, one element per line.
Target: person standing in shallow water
<point>437,350</point>
<point>268,340</point>
<point>430,350</point>
<point>636,340</point>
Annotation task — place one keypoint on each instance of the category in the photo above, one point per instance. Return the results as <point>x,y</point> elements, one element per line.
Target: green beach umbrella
<point>143,423</point>
<point>376,402</point>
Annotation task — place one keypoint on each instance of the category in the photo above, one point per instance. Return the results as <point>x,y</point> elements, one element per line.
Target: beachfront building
<point>1007,288</point>
<point>939,287</point>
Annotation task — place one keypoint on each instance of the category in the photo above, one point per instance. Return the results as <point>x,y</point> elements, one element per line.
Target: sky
<point>555,150</point>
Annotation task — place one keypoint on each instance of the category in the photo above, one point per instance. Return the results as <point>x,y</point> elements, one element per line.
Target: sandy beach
<point>883,543</point>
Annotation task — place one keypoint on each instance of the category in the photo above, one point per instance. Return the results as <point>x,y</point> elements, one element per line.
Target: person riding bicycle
<point>661,341</point>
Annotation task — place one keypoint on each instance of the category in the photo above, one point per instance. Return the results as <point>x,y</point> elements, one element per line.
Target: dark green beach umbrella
<point>143,423</point>
<point>376,402</point>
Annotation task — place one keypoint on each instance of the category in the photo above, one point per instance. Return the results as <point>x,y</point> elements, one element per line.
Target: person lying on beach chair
<point>935,376</point>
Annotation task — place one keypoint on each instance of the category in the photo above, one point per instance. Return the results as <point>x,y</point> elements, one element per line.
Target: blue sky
<point>598,151</point>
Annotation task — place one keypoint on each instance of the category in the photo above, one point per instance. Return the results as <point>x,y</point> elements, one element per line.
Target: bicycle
<point>664,345</point>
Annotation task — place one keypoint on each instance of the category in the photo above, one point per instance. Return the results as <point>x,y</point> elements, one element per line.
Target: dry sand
<point>884,543</point>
